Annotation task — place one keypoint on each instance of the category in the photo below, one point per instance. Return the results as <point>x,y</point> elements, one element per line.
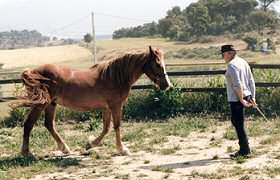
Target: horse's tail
<point>35,90</point>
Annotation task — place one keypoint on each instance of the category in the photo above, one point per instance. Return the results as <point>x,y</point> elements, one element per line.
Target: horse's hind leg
<point>50,112</point>
<point>107,117</point>
<point>28,126</point>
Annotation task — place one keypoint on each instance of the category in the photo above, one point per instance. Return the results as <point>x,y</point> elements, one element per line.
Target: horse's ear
<point>151,50</point>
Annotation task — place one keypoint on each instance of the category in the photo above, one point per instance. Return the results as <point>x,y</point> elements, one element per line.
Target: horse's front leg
<point>117,121</point>
<point>107,117</point>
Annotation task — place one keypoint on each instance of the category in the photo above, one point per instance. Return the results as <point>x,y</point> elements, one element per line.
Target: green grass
<point>162,169</point>
<point>172,150</point>
<point>230,134</point>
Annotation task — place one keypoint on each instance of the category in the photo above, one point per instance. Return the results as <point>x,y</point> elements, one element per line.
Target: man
<point>240,92</point>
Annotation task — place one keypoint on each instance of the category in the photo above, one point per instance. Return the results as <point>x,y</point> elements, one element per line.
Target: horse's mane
<point>119,71</point>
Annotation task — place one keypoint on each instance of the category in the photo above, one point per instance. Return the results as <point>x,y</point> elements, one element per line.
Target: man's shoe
<point>240,154</point>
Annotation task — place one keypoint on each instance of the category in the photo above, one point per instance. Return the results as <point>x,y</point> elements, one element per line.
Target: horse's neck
<point>138,71</point>
<point>123,72</point>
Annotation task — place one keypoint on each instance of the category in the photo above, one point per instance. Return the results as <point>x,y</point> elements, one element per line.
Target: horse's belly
<point>82,103</point>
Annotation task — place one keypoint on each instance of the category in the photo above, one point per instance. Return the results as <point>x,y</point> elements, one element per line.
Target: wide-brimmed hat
<point>226,48</point>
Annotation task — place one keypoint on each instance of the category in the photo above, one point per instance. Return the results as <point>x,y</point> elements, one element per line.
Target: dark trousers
<point>237,120</point>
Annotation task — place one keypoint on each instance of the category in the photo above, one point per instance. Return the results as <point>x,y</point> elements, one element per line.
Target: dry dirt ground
<point>37,56</point>
<point>197,158</point>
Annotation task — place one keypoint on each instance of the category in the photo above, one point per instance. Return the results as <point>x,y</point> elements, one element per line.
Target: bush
<point>155,103</point>
<point>65,114</point>
<point>252,42</point>
<point>18,116</point>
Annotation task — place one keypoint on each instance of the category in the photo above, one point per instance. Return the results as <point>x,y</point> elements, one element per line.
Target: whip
<point>260,111</point>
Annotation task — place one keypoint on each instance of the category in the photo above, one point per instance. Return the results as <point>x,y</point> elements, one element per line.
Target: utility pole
<point>93,39</point>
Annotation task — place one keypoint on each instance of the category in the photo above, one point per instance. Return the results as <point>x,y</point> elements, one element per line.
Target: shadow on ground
<point>186,164</point>
<point>59,161</point>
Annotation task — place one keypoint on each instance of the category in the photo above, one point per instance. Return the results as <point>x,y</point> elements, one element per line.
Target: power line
<point>75,22</point>
<point>120,17</point>
<point>98,13</point>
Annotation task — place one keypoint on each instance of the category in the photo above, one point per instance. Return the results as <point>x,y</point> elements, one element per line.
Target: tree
<point>259,19</point>
<point>227,15</point>
<point>164,27</point>
<point>266,3</point>
<point>174,12</point>
<point>198,18</point>
<point>88,38</point>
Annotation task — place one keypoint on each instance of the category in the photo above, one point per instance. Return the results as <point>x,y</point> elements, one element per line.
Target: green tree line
<point>208,17</point>
<point>20,39</point>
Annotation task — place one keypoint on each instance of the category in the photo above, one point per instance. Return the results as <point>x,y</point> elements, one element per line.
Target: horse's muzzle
<point>165,86</point>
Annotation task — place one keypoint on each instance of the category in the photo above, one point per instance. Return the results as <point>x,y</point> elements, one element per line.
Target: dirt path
<point>198,157</point>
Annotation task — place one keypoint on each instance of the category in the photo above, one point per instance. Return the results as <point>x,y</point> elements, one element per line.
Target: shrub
<point>168,103</point>
<point>155,103</point>
<point>252,42</point>
<point>198,53</point>
<point>18,116</point>
<point>65,114</point>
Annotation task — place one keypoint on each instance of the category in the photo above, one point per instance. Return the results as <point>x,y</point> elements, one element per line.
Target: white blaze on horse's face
<point>166,77</point>
<point>155,70</point>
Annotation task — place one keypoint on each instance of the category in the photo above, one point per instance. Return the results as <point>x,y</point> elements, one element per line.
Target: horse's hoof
<point>27,154</point>
<point>66,150</point>
<point>125,151</point>
<point>88,146</point>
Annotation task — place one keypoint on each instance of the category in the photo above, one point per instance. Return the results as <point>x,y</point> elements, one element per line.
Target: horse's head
<point>155,69</point>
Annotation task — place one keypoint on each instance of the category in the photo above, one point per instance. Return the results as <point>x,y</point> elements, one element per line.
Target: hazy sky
<point>72,18</point>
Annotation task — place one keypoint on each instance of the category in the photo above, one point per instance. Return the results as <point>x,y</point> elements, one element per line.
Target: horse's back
<point>62,74</point>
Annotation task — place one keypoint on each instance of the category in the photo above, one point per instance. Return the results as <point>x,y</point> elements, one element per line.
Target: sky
<point>72,18</point>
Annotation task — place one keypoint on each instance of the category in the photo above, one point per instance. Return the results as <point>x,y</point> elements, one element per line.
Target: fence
<point>177,74</point>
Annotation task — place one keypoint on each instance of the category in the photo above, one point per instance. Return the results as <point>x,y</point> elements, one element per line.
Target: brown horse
<point>105,85</point>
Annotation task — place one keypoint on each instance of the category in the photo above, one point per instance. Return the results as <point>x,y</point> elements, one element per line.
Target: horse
<point>105,85</point>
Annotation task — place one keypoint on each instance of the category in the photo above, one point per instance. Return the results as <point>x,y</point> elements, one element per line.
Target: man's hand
<point>246,103</point>
<point>253,102</point>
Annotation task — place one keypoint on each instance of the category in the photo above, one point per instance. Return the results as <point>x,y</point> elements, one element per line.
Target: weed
<point>240,159</point>
<point>146,162</point>
<point>168,151</point>
<point>122,176</point>
<point>163,169</point>
<point>230,134</point>
<point>94,124</point>
<point>230,149</point>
